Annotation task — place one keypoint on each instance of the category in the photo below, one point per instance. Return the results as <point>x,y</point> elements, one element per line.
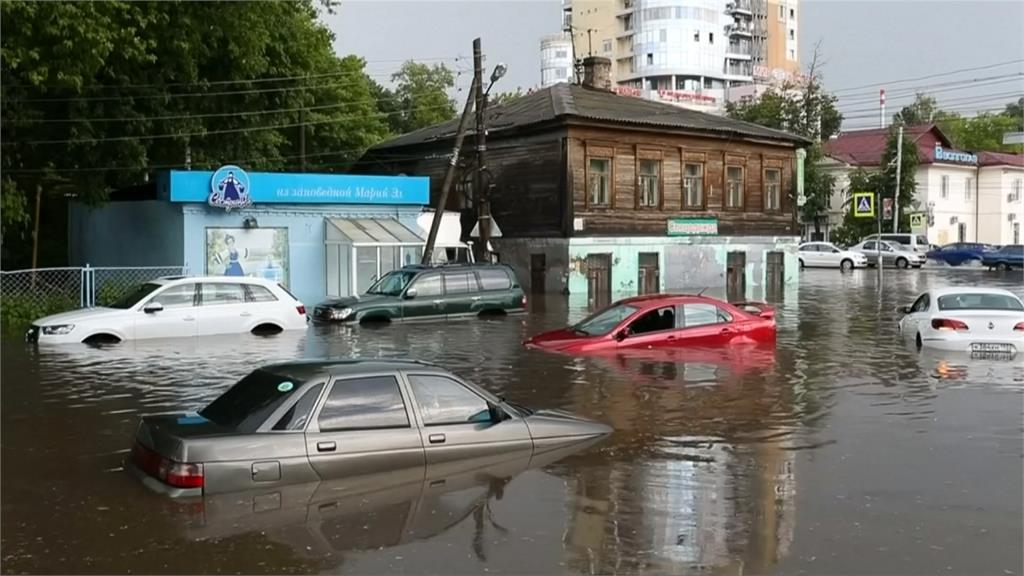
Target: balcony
<point>739,50</point>
<point>740,8</point>
<point>625,7</point>
<point>739,30</point>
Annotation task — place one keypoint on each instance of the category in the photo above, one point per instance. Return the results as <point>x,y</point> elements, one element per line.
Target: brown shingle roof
<point>866,147</point>
<point>1000,159</point>
<point>568,101</point>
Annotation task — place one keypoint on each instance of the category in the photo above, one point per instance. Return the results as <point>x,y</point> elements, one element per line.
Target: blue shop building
<point>317,234</point>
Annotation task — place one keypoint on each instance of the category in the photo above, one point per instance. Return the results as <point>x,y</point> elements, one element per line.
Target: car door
<point>363,426</point>
<point>830,255</point>
<point>223,309</point>
<point>807,254</point>
<point>888,254</point>
<point>455,422</point>
<point>424,298</point>
<point>705,324</point>
<point>869,250</point>
<point>176,319</point>
<point>496,290</point>
<point>919,312</point>
<point>655,328</point>
<point>461,294</point>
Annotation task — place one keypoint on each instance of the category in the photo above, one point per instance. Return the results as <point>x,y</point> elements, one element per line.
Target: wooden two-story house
<point>604,194</point>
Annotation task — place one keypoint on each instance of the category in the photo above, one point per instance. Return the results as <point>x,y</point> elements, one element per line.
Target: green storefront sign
<point>693,226</point>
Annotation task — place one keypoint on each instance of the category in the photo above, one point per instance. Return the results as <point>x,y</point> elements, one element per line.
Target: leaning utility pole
<point>896,197</point>
<point>449,176</point>
<point>480,196</point>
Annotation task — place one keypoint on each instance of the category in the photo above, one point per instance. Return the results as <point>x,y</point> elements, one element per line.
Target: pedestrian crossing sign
<point>864,204</point>
<point>917,221</point>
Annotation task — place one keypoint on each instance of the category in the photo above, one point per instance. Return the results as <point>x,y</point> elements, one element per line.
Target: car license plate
<point>988,348</point>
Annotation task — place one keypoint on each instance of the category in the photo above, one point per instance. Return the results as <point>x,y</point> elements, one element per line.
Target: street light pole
<point>896,197</point>
<point>482,217</point>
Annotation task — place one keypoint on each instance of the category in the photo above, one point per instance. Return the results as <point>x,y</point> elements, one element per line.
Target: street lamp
<point>496,75</point>
<point>483,200</point>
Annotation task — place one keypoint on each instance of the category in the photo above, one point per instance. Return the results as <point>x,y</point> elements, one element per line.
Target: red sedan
<point>663,320</point>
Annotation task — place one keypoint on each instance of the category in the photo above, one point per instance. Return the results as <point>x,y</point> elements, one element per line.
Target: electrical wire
<point>927,76</point>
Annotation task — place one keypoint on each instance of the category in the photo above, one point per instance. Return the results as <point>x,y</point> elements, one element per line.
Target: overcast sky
<point>863,42</point>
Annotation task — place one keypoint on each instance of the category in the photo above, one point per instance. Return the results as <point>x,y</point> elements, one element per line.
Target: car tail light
<point>524,300</point>
<point>177,474</point>
<point>301,309</point>
<point>948,324</point>
<point>1019,327</point>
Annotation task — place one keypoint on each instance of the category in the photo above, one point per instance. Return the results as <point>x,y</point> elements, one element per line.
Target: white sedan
<point>965,319</point>
<point>177,307</point>
<point>827,255</point>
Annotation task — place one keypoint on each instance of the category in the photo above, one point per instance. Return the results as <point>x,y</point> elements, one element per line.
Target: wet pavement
<point>841,451</point>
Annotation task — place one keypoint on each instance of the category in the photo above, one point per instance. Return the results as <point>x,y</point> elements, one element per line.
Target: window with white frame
<point>693,186</point>
<point>772,189</point>
<point>944,188</point>
<point>650,173</point>
<point>1017,185</point>
<point>734,187</point>
<point>599,175</point>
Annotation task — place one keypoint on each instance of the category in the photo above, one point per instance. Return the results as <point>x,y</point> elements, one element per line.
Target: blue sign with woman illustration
<point>229,188</point>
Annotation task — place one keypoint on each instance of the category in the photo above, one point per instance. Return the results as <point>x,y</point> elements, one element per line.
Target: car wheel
<point>918,341</point>
<point>802,264</point>
<point>902,263</point>
<point>1002,266</point>
<point>846,265</point>
<point>100,339</point>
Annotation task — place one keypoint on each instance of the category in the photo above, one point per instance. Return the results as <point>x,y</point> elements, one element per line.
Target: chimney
<point>597,73</point>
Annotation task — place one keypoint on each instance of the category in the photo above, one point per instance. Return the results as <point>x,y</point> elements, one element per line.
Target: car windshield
<point>135,296</point>
<point>972,301</point>
<point>1012,248</point>
<point>603,322</point>
<point>248,403</point>
<point>392,283</point>
<point>922,241</point>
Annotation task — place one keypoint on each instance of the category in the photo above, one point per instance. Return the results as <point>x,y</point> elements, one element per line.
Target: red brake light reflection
<point>1019,327</point>
<point>948,324</point>
<point>301,310</point>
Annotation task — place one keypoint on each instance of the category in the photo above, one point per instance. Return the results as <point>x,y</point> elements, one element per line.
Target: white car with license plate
<point>980,321</point>
<point>827,255</point>
<point>176,307</point>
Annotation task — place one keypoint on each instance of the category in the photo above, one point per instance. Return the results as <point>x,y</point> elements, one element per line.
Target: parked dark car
<point>322,420</point>
<point>428,292</point>
<point>1008,257</point>
<point>960,252</point>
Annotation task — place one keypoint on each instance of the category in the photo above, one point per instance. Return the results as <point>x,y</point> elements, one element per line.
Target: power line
<point>936,88</point>
<point>928,76</point>
<point>208,132</point>
<point>952,102</point>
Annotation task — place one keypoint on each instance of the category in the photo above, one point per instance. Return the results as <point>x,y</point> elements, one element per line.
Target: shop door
<point>648,276</point>
<point>775,275</point>
<point>538,271</point>
<point>736,276</point>
<point>599,279</point>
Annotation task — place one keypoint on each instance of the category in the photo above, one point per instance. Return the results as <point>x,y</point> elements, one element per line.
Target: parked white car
<point>175,307</point>
<point>892,253</point>
<point>827,255</point>
<point>965,319</point>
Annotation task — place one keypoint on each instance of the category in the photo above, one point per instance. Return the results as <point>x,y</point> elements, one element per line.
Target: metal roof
<point>370,231</point>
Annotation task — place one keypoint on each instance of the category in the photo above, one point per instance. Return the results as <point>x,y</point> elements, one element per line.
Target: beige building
<point>693,53</point>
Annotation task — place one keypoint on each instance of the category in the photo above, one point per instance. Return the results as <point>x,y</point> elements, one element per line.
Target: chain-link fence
<point>29,294</point>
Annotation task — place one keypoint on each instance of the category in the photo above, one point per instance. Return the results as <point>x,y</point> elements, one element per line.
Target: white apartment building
<point>963,196</point>
<point>692,53</point>
<point>556,59</point>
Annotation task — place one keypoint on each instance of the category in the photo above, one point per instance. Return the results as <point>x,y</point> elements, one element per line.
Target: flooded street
<point>841,451</point>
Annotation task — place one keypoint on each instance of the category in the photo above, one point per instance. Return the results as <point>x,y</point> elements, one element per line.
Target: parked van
<point>915,242</point>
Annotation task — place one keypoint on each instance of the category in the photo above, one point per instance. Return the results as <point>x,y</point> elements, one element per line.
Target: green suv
<point>427,293</point>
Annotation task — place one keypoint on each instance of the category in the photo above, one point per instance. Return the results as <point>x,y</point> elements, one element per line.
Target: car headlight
<point>341,314</point>
<point>58,329</point>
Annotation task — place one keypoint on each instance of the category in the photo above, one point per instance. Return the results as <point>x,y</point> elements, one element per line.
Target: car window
<point>870,246</point>
<point>363,404</point>
<point>921,304</point>
<point>969,301</point>
<point>603,321</point>
<point>216,293</point>
<point>255,293</point>
<point>885,247</point>
<point>428,285</point>
<point>392,283</point>
<point>494,279</point>
<point>135,296</point>
<point>297,416</point>
<point>702,315</point>
<point>181,296</point>
<point>247,404</point>
<point>461,283</point>
<point>922,241</point>
<point>809,248</point>
<point>654,321</point>
<point>442,400</point>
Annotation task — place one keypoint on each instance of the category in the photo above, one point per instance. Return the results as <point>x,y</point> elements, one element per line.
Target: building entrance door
<point>736,276</point>
<point>538,271</point>
<point>649,276</point>
<point>599,279</point>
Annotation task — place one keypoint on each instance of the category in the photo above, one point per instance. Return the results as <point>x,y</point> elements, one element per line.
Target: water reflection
<point>839,449</point>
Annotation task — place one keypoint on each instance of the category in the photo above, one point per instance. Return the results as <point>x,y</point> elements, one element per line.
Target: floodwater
<point>841,451</point>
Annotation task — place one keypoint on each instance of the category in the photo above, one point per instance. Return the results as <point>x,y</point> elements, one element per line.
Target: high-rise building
<point>690,52</point>
<point>556,59</point>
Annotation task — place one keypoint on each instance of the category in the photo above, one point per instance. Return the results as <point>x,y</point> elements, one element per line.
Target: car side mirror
<point>153,308</point>
<point>496,413</point>
<point>903,309</point>
<point>410,293</point>
<point>620,335</point>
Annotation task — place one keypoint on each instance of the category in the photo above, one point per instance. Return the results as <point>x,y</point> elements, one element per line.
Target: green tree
<point>807,110</point>
<point>882,181</point>
<point>983,132</point>
<point>99,95</point>
<point>505,97</point>
<point>421,96</point>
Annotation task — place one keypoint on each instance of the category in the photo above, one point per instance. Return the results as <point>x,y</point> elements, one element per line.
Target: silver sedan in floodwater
<point>320,420</point>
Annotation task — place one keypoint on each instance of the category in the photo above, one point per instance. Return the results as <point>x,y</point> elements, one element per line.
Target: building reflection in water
<point>703,474</point>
